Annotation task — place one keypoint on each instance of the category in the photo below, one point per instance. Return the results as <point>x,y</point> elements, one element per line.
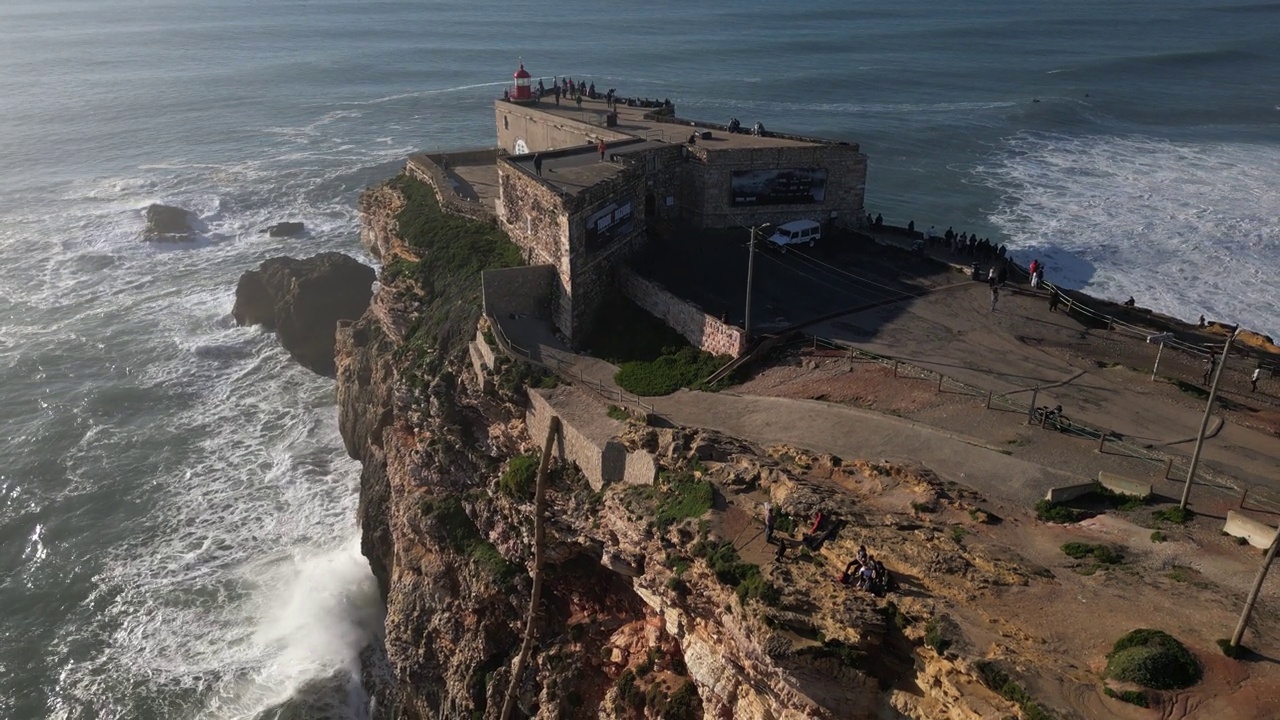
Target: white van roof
<point>798,225</point>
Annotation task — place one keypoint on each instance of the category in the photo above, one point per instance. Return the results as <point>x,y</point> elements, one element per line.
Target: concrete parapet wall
<point>1070,492</point>
<point>485,352</point>
<point>520,290</point>
<point>427,169</point>
<point>587,440</point>
<point>1124,486</point>
<point>705,331</point>
<point>1259,534</point>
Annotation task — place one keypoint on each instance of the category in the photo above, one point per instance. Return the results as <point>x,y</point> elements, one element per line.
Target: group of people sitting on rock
<point>864,572</point>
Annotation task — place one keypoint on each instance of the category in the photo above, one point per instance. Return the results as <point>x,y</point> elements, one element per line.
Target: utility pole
<point>751,273</point>
<point>1253,594</point>
<point>1204,422</point>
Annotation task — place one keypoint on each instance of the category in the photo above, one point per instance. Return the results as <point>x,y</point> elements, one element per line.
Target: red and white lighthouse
<point>522,92</point>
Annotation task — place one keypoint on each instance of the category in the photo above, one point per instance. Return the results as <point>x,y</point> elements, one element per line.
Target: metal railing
<point>1106,439</point>
<point>567,371</point>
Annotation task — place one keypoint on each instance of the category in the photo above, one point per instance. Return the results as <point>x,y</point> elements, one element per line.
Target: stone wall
<point>665,179</point>
<point>428,169</point>
<point>521,290</point>
<point>704,331</point>
<point>542,131</point>
<point>588,438</point>
<point>535,218</point>
<point>709,199</point>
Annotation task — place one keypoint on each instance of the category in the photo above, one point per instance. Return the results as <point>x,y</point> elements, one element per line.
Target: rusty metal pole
<point>1253,594</point>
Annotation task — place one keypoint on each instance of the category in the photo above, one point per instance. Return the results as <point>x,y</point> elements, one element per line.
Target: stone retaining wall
<point>519,290</point>
<point>706,332</point>
<point>589,443</point>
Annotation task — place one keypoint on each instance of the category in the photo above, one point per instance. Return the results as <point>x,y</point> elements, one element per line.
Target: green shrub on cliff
<point>454,251</point>
<point>519,479</point>
<point>674,369</point>
<point>682,497</point>
<point>463,537</point>
<point>1153,659</point>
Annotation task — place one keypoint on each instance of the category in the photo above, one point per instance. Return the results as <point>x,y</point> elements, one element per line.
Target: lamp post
<point>1204,422</point>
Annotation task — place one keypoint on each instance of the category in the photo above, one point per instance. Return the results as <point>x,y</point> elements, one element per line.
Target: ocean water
<point>177,516</point>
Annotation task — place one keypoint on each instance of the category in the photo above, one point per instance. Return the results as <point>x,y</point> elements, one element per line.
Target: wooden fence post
<point>1102,439</point>
<point>988,399</point>
<point>939,382</point>
<point>895,368</point>
<point>1243,494</point>
<point>1168,468</point>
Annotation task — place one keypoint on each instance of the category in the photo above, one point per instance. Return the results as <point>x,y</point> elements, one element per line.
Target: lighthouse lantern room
<point>523,89</point>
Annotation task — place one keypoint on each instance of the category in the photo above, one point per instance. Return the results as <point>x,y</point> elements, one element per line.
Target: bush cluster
<point>1175,515</point>
<point>519,479</point>
<point>462,536</point>
<point>685,367</point>
<point>1104,554</point>
<point>1152,659</point>
<point>746,579</point>
<point>1054,513</point>
<point>683,497</point>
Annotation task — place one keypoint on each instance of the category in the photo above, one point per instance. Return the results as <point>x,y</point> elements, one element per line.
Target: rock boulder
<point>285,229</point>
<point>167,223</point>
<point>303,300</point>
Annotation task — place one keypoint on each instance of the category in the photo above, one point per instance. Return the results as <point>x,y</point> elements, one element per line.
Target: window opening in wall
<point>506,125</point>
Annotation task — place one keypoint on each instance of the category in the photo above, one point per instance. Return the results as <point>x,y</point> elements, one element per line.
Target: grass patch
<point>462,536</point>
<point>1054,513</point>
<point>999,681</point>
<point>1133,697</point>
<point>1181,573</point>
<point>1231,651</point>
<point>958,532</point>
<point>1158,537</point>
<point>935,638</point>
<point>784,523</point>
<point>682,497</point>
<point>618,413</point>
<point>519,479</point>
<point>454,251</point>
<point>628,693</point>
<point>745,578</point>
<point>1104,554</point>
<point>1174,515</point>
<point>1152,659</point>
<point>676,368</point>
<point>922,507</point>
<point>848,655</point>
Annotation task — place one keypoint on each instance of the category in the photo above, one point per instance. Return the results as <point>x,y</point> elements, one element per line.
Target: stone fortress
<point>582,184</point>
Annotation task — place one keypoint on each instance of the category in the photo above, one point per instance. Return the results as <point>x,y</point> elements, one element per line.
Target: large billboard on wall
<point>786,186</point>
<point>609,222</point>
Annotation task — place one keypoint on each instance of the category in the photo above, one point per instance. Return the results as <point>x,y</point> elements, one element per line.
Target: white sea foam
<point>1184,228</point>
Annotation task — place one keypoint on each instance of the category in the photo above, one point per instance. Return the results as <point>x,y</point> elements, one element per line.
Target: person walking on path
<point>601,147</point>
<point>1053,300</point>
<point>768,522</point>
<point>1253,381</point>
<point>1208,368</point>
<point>995,296</point>
<point>537,164</point>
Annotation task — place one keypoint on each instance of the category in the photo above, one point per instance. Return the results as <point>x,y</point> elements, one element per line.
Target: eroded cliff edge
<point>647,611</point>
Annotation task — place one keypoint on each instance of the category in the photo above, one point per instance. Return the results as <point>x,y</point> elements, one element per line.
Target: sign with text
<point>788,186</point>
<point>609,222</point>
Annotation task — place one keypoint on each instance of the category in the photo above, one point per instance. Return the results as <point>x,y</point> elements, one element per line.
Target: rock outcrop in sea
<point>303,302</point>
<point>166,223</point>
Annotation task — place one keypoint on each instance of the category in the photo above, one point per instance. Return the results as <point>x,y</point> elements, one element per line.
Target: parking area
<point>841,271</point>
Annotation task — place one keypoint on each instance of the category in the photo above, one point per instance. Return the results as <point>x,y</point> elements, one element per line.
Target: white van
<point>796,232</point>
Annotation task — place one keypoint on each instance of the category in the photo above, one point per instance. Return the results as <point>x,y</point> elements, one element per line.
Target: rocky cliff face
<point>645,612</point>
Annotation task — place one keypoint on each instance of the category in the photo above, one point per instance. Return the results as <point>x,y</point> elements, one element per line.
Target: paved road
<point>854,433</point>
